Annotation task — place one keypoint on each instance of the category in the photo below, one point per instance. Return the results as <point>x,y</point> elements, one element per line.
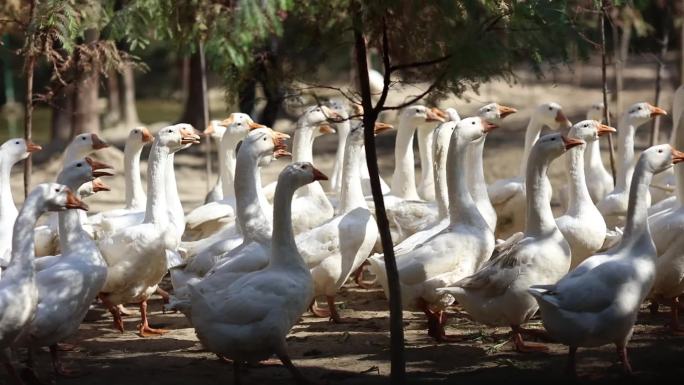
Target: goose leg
<point>436,321</point>
<point>653,307</point>
<point>144,328</point>
<point>58,366</point>
<point>162,293</point>
<point>522,346</point>
<point>622,357</point>
<point>116,312</point>
<point>281,352</point>
<point>334,315</point>
<point>571,369</point>
<point>317,311</point>
<point>123,310</point>
<point>674,312</point>
<point>358,277</point>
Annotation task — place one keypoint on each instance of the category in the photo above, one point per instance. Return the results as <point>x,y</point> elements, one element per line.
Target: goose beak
<point>146,135</point>
<point>32,147</point>
<point>677,156</point>
<point>98,186</point>
<point>489,126</point>
<point>504,111</point>
<point>279,145</point>
<point>98,167</point>
<point>97,142</point>
<point>330,114</point>
<point>603,129</point>
<point>435,115</point>
<point>318,175</point>
<point>656,111</point>
<point>571,142</point>
<point>72,202</point>
<point>325,128</point>
<point>209,130</point>
<point>562,119</point>
<point>189,136</point>
<point>381,127</point>
<point>254,126</point>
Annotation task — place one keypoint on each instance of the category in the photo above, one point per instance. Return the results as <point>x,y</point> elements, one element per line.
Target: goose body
<point>598,302</point>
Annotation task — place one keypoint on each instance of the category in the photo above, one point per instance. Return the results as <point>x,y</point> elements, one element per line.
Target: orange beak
<point>325,128</point>
<point>72,202</point>
<point>98,166</point>
<point>318,175</point>
<point>435,115</point>
<point>279,145</point>
<point>97,142</point>
<point>603,129</point>
<point>32,147</point>
<point>146,135</point>
<point>504,111</point>
<point>254,126</point>
<point>209,130</point>
<point>488,126</point>
<point>330,114</point>
<point>677,156</point>
<point>381,127</point>
<point>571,142</point>
<point>656,111</point>
<point>189,136</point>
<point>98,186</point>
<point>228,121</point>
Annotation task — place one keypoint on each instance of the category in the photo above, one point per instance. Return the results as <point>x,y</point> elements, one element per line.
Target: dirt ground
<point>358,353</point>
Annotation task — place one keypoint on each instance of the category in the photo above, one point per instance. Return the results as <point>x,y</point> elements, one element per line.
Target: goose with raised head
<point>249,319</point>
<point>253,223</point>
<point>599,180</point>
<point>11,152</point>
<point>67,287</point>
<point>582,224</point>
<point>598,302</point>
<point>81,146</point>
<point>215,131</point>
<point>456,252</point>
<point>136,255</point>
<point>18,291</point>
<point>508,195</point>
<point>497,294</point>
<point>210,218</point>
<point>339,246</point>
<point>613,206</point>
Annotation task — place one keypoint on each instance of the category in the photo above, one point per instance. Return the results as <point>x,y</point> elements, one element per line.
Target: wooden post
<point>28,100</point>
<point>606,114</point>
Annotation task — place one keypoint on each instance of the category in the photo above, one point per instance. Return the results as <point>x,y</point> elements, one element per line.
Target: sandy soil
<point>358,353</point>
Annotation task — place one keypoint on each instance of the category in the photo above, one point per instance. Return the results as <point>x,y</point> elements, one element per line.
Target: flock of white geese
<point>249,262</point>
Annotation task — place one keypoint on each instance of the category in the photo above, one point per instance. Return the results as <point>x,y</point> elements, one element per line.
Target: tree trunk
<point>130,112</point>
<point>28,100</point>
<point>205,113</point>
<point>193,110</point>
<point>660,67</point>
<point>62,110</point>
<point>604,64</point>
<point>113,116</point>
<point>86,117</point>
<point>398,362</point>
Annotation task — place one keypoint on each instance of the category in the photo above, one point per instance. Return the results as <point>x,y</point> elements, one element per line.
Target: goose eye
<point>472,122</point>
<point>660,151</point>
<point>550,108</point>
<point>17,142</point>
<point>83,138</point>
<point>78,165</point>
<point>170,130</point>
<point>553,139</point>
<point>264,138</point>
<point>56,190</point>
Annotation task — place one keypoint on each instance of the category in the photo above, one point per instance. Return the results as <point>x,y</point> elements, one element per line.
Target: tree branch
<point>386,67</point>
<point>438,60</point>
<point>417,97</point>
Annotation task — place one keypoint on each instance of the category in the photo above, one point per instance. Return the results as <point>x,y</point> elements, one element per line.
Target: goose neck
<point>248,205</point>
<point>440,148</point>
<point>637,211</point>
<point>283,246</point>
<point>156,207</point>
<point>475,171</point>
<point>404,179</point>
<point>135,195</point>
<point>425,139</point>
<point>592,156</point>
<point>7,207</point>
<point>351,195</point>
<point>71,234</point>
<point>227,164</point>
<point>539,220</point>
<point>342,132</point>
<point>532,133</point>
<point>578,192</point>
<point>462,208</point>
<point>625,149</point>
<point>23,244</point>
<point>173,202</point>
<point>302,144</point>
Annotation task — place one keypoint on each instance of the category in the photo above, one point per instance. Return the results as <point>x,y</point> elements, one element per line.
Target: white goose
<point>68,286</point>
<point>18,292</point>
<point>425,135</point>
<point>215,131</point>
<point>249,319</point>
<point>497,294</point>
<point>11,152</point>
<point>136,255</point>
<point>613,206</point>
<point>339,246</point>
<point>582,224</point>
<point>598,302</point>
<point>452,254</point>
<point>210,218</point>
<point>599,180</point>
<point>508,195</point>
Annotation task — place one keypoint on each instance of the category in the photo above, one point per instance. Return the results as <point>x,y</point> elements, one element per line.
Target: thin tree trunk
<point>205,113</point>
<point>113,116</point>
<point>193,109</point>
<point>86,117</point>
<point>28,101</point>
<point>130,112</point>
<point>398,363</point>
<point>606,113</point>
<point>62,109</point>
<point>655,125</point>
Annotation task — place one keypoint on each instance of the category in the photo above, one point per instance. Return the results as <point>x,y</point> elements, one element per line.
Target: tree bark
<point>193,110</point>
<point>28,100</point>
<point>604,64</point>
<point>398,362</point>
<point>113,116</point>
<point>660,67</point>
<point>62,109</point>
<point>130,112</point>
<point>86,117</point>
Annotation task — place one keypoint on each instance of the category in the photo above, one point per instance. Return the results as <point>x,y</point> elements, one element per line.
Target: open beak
<point>504,111</point>
<point>146,135</point>
<point>98,186</point>
<point>325,128</point>
<point>330,114</point>
<point>603,129</point>
<point>72,202</point>
<point>677,156</point>
<point>435,115</point>
<point>381,127</point>
<point>98,143</point>
<point>489,126</point>
<point>189,136</point>
<point>254,126</point>
<point>656,111</point>
<point>318,175</point>
<point>32,147</point>
<point>98,167</point>
<point>571,142</point>
<point>279,145</point>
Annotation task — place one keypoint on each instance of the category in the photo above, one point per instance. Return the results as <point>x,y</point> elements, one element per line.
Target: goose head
<point>356,134</point>
<point>138,137</point>
<point>215,129</point>
<point>422,117</point>
<point>660,157</point>
<point>265,144</point>
<point>17,149</point>
<point>494,112</point>
<point>238,124</point>
<point>339,107</point>
<point>318,118</point>
<point>300,174</point>
<point>472,128</point>
<point>81,171</point>
<point>452,115</point>
<point>640,113</point>
<point>551,115</point>
<point>85,144</point>
<point>551,146</point>
<point>589,130</point>
<point>177,137</point>
<point>57,197</point>
<point>595,112</point>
